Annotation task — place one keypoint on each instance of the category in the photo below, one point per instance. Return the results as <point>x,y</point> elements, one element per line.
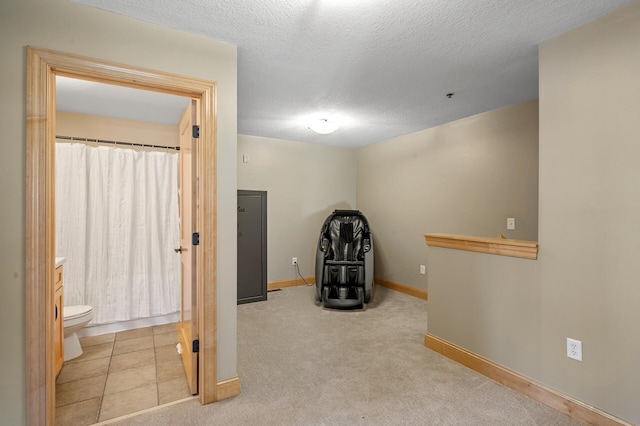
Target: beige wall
<point>304,183</point>
<point>464,177</point>
<point>590,210</point>
<point>74,28</point>
<point>487,304</point>
<point>585,283</point>
<point>115,129</point>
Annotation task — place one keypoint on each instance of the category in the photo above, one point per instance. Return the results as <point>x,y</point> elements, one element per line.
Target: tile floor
<point>120,373</point>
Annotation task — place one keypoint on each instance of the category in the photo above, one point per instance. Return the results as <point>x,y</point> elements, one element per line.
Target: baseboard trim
<point>519,383</point>
<point>274,285</point>
<point>228,388</point>
<point>393,285</point>
<point>402,288</point>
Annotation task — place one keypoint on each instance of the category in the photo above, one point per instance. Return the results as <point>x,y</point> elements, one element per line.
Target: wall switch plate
<point>294,260</point>
<point>423,269</point>
<point>574,349</point>
<point>245,158</point>
<point>511,223</point>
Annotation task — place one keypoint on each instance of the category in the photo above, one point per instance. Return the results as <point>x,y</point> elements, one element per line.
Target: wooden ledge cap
<point>500,245</point>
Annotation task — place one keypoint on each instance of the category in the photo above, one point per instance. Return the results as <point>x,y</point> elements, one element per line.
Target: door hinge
<point>196,346</point>
<point>195,239</point>
<point>195,131</point>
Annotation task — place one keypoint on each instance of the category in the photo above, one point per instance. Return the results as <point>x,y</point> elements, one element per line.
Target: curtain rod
<point>75,138</point>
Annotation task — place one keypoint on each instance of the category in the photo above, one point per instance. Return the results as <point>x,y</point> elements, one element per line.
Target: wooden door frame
<point>42,67</point>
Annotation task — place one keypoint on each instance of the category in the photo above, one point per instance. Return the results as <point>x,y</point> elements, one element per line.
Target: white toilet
<point>74,318</point>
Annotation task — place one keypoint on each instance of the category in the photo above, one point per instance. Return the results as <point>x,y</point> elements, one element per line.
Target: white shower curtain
<point>117,225</point>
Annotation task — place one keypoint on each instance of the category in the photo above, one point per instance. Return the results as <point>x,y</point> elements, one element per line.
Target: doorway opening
<point>118,226</point>
<point>42,68</point>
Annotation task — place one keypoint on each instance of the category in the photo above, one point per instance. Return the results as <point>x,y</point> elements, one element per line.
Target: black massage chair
<point>344,261</point>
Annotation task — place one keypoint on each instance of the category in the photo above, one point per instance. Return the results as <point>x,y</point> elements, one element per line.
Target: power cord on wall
<point>298,271</point>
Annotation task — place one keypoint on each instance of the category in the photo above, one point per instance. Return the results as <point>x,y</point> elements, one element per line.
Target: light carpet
<point>300,364</point>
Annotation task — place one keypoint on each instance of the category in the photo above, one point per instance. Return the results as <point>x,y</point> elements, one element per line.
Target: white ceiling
<point>380,68</point>
<point>87,97</point>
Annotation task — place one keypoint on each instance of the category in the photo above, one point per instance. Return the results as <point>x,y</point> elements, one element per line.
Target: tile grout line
<point>113,347</point>
<point>155,364</point>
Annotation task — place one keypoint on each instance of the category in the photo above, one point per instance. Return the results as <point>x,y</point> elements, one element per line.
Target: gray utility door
<point>252,246</point>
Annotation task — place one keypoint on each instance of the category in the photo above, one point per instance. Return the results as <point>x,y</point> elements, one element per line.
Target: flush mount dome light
<point>323,126</point>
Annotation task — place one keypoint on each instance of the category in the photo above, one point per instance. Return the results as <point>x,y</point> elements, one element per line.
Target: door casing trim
<point>43,66</point>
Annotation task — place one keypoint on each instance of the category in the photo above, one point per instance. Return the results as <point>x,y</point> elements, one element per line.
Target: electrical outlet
<point>574,349</point>
<point>423,269</point>
<point>294,260</point>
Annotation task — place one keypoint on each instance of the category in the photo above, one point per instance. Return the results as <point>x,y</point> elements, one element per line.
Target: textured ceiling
<point>380,68</point>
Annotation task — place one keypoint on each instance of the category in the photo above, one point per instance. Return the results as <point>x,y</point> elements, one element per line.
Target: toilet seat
<point>73,312</point>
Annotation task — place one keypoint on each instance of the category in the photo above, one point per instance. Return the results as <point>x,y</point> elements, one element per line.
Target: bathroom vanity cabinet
<point>58,326</point>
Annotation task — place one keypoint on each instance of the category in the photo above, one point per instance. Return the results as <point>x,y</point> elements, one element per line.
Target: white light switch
<point>423,269</point>
<point>245,158</point>
<point>511,223</point>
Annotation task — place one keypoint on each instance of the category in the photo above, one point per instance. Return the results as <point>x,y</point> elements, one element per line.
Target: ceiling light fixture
<point>323,126</point>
